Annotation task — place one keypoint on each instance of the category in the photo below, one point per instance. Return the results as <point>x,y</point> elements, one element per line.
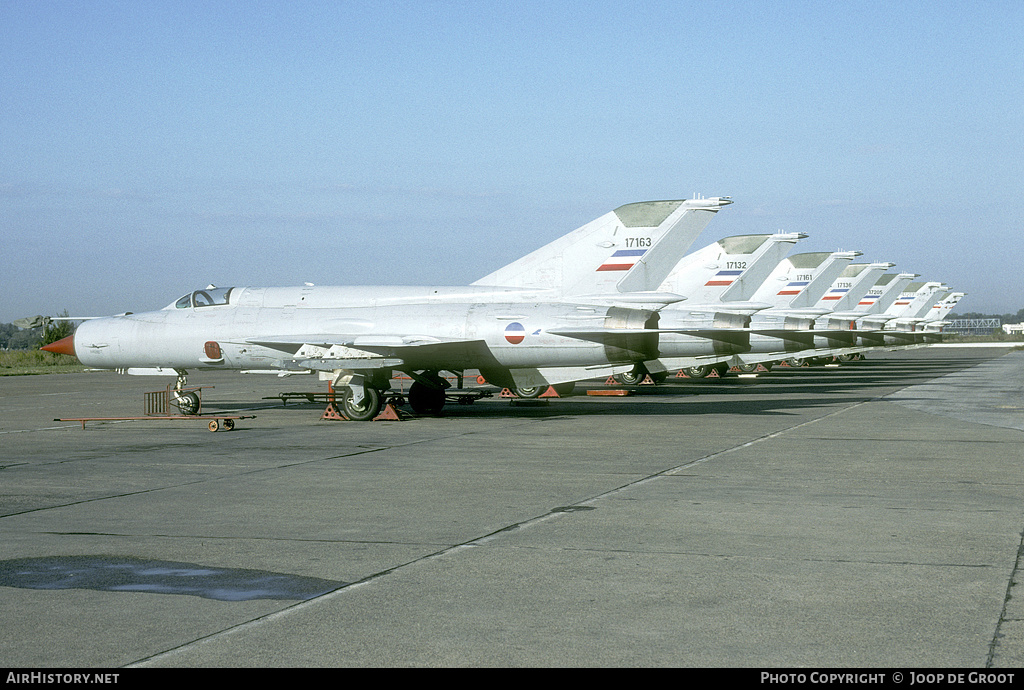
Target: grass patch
<point>30,362</point>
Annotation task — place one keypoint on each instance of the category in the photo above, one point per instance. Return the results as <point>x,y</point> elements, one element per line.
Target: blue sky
<point>147,148</point>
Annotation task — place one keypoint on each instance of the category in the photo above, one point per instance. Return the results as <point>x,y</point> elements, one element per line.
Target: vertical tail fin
<point>915,299</point>
<point>944,306</point>
<point>729,270</point>
<point>851,285</point>
<point>632,248</point>
<point>934,321</point>
<point>884,292</point>
<point>938,292</point>
<point>799,281</point>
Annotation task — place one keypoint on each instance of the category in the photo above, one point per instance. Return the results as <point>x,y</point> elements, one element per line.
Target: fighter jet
<point>584,305</point>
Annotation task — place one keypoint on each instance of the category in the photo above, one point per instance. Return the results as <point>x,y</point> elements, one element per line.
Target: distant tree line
<point>14,338</point>
<point>1003,318</point>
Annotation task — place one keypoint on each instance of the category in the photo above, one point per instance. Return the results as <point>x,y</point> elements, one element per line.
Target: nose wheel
<point>187,403</point>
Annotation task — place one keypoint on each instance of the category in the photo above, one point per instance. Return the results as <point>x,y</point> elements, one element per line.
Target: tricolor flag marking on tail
<point>835,293</point>
<point>723,278</point>
<point>868,300</point>
<point>622,260</point>
<point>794,288</point>
<point>514,332</point>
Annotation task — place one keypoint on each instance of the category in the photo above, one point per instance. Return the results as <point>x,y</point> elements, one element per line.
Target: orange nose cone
<point>64,346</point>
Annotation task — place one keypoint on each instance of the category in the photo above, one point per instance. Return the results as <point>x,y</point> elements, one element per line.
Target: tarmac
<point>868,515</point>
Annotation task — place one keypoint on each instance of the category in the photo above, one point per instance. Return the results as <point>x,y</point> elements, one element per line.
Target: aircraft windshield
<point>210,297</point>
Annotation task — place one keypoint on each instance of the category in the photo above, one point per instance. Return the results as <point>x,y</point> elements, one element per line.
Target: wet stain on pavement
<point>128,574</point>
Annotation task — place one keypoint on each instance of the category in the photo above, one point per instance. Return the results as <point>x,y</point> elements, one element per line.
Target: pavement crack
<point>998,633</point>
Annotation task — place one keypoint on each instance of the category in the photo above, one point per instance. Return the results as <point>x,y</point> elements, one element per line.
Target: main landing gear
<point>638,374</point>
<point>703,370</point>
<point>363,397</point>
<point>362,410</point>
<point>530,392</point>
<point>425,398</point>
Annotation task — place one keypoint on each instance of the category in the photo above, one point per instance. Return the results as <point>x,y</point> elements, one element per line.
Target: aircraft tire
<point>747,368</point>
<point>188,403</point>
<point>364,411</point>
<point>530,391</point>
<point>564,389</point>
<point>697,372</point>
<point>633,377</point>
<point>424,399</point>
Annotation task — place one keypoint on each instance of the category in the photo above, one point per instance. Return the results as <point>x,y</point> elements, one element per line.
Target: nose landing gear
<point>187,402</point>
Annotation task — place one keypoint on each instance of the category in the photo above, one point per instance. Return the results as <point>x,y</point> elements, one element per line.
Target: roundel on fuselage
<point>515,333</point>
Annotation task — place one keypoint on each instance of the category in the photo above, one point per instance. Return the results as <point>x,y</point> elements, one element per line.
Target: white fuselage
<point>426,328</point>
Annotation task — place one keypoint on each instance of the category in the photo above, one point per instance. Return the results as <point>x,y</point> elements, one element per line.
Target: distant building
<point>1013,328</point>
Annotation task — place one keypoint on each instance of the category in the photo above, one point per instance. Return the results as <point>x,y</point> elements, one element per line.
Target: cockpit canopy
<point>208,297</point>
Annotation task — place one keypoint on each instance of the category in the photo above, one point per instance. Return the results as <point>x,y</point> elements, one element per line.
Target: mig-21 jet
<point>584,305</point>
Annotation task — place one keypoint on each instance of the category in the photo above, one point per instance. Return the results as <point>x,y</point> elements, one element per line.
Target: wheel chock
<point>681,374</point>
<point>507,393</point>
<point>713,374</point>
<point>388,413</point>
<point>332,413</point>
<point>648,381</point>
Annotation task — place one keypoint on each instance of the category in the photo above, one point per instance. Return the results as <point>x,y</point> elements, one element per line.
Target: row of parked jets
<point>619,296</point>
